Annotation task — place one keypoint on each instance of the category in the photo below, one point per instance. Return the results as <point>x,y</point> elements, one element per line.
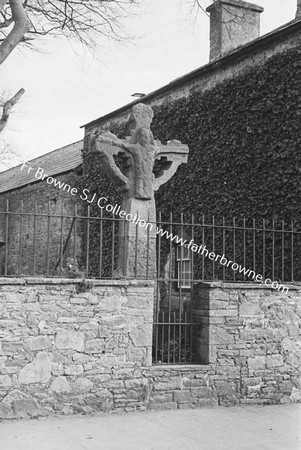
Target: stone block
<point>257,363</point>
<point>165,398</point>
<point>111,303</point>
<point>142,336</point>
<point>14,297</point>
<point>60,385</point>
<point>203,392</point>
<point>206,403</point>
<point>287,345</point>
<point>164,406</point>
<point>181,396</point>
<point>5,381</point>
<point>82,385</point>
<point>195,382</point>
<point>78,300</point>
<point>296,395</point>
<point>220,336</point>
<point>38,371</point>
<point>248,308</point>
<point>168,386</point>
<point>274,361</point>
<point>12,348</point>
<point>38,343</point>
<point>225,389</point>
<point>95,346</point>
<point>17,405</point>
<point>74,369</point>
<point>70,340</point>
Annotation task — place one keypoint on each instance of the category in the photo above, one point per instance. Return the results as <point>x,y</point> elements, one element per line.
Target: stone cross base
<point>137,240</point>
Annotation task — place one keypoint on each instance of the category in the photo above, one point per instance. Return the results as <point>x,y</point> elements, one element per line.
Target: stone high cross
<point>145,165</point>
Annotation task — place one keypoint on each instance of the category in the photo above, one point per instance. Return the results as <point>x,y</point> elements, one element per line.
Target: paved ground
<point>269,427</point>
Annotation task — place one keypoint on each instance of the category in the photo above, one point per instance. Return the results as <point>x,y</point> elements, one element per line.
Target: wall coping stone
<point>230,285</point>
<point>57,281</point>
<point>181,367</point>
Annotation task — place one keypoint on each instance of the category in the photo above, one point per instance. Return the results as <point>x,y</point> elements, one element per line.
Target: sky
<point>67,86</point>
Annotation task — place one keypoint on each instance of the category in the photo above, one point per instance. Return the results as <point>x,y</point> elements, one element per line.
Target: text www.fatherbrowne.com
<point>102,203</point>
<point>201,249</point>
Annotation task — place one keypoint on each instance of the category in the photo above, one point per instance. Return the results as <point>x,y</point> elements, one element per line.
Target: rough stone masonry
<point>68,347</point>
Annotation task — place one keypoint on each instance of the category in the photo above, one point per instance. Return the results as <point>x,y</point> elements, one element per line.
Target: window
<point>183,267</point>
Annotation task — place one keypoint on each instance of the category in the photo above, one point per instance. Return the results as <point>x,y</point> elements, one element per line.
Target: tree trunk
<point>20,27</point>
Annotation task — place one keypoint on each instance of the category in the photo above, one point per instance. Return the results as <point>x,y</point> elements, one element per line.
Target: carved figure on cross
<point>146,164</point>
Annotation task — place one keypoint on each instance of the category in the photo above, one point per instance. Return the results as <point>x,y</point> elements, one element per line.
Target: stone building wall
<point>68,347</point>
<point>44,196</point>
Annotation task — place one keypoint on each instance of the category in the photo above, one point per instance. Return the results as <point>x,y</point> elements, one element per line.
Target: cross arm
<point>169,157</point>
<point>108,145</point>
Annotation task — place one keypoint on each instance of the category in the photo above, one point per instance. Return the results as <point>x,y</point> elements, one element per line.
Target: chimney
<point>232,23</point>
<point>298,13</point>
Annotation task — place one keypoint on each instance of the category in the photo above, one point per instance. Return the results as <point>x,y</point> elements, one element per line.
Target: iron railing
<point>56,240</point>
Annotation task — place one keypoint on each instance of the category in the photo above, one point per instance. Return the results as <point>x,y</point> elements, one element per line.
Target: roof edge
<point>211,66</point>
<point>41,156</point>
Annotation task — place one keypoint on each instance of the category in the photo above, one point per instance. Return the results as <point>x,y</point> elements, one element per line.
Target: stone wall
<point>67,346</point>
<point>251,337</point>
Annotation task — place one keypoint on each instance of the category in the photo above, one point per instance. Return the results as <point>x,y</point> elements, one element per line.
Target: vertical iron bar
<point>163,321</point>
<point>88,241</point>
<point>147,249</point>
<point>213,247</point>
<point>254,245</point>
<point>273,249</point>
<point>113,246</point>
<point>203,243</point>
<point>6,236</point>
<point>34,239</point>
<point>136,247</point>
<point>20,241</point>
<point>282,253</point>
<point>234,247</point>
<point>185,337</point>
<point>244,245</point>
<point>157,285</point>
<point>74,234</point>
<point>292,250</point>
<point>62,241</point>
<point>181,286</point>
<point>224,247</point>
<point>48,241</point>
<point>191,285</point>
<point>174,337</point>
<point>100,242</point>
<point>192,253</point>
<point>263,250</point>
<point>125,246</point>
<point>169,290</point>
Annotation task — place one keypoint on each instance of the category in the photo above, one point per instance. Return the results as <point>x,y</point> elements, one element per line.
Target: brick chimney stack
<point>298,13</point>
<point>232,23</point>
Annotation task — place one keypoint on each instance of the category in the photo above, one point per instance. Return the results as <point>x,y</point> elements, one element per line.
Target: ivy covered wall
<point>244,137</point>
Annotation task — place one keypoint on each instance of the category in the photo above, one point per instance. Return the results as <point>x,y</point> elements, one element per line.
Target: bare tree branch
<point>7,107</point>
<point>16,35</point>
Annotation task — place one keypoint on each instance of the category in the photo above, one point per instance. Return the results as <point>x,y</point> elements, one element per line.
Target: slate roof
<point>56,162</point>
